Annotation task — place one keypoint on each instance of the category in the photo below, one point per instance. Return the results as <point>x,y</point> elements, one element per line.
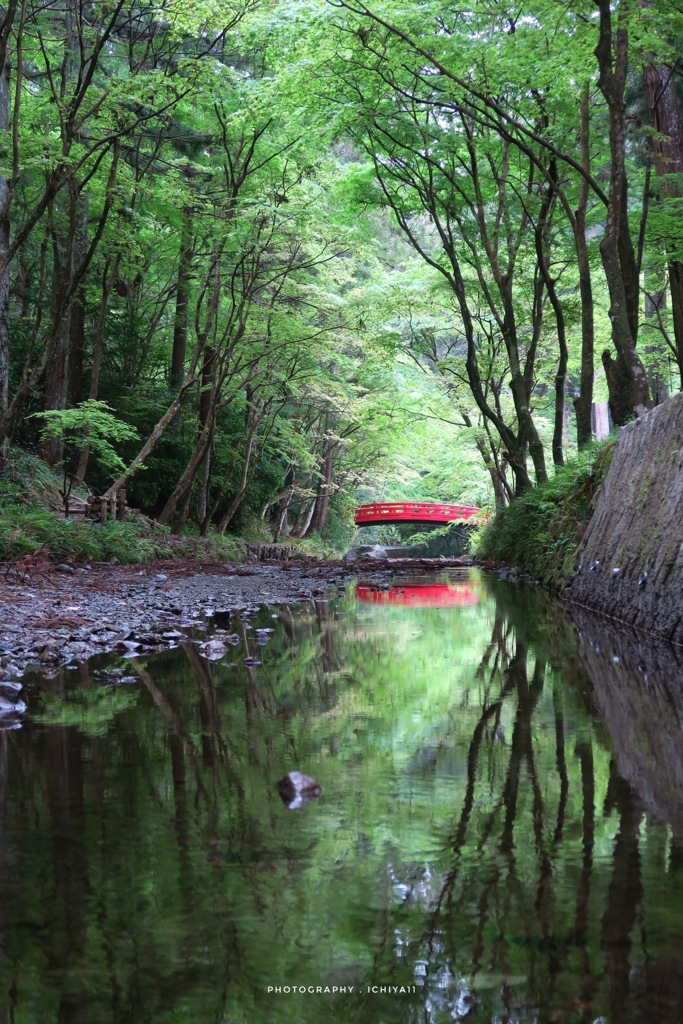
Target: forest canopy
<point>319,250</point>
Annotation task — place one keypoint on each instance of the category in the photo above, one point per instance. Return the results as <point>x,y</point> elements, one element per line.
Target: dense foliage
<point>322,248</point>
<point>541,532</point>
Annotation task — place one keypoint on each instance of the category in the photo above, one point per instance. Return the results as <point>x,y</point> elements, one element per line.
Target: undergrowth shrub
<point>29,490</point>
<point>26,479</point>
<point>24,530</point>
<point>541,531</point>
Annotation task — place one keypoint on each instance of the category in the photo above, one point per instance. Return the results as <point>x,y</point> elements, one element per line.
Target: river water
<point>499,836</point>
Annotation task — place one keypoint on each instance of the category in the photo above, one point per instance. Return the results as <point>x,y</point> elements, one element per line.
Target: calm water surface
<point>499,836</point>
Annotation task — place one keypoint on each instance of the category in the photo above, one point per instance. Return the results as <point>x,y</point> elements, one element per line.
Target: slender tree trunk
<point>77,320</point>
<point>515,455</point>
<point>518,387</point>
<point>306,507</point>
<point>583,404</point>
<point>205,392</point>
<point>244,480</point>
<point>496,481</point>
<point>207,431</point>
<point>59,331</point>
<point>304,530</point>
<point>542,257</point>
<point>283,504</point>
<point>655,308</point>
<point>203,496</point>
<point>501,489</point>
<point>180,325</point>
<point>192,377</point>
<point>189,474</point>
<point>64,247</point>
<point>153,440</point>
<point>322,501</point>
<point>254,414</point>
<point>5,121</point>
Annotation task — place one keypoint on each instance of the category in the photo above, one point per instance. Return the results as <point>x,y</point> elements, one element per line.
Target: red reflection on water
<point>419,595</point>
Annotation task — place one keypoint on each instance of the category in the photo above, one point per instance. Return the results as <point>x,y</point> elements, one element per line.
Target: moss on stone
<point>540,533</point>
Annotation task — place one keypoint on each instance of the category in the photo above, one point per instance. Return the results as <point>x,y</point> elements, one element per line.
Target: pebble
<point>213,650</point>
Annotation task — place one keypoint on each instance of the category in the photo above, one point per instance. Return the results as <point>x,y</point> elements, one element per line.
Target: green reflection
<point>485,839</point>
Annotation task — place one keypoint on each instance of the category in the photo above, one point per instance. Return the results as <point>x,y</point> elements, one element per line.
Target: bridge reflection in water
<point>419,595</point>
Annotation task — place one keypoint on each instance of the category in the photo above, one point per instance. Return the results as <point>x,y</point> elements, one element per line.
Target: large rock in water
<point>632,555</point>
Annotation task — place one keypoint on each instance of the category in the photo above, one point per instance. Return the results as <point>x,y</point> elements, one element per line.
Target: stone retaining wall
<point>631,560</point>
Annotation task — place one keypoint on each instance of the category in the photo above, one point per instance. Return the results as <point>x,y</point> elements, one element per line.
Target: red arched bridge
<point>418,512</point>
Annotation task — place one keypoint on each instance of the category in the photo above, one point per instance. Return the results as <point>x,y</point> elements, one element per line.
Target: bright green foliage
<point>90,423</point>
<point>90,711</point>
<point>540,534</point>
<point>242,226</point>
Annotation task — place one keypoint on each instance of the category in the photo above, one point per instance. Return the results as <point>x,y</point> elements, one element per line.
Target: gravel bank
<point>68,614</point>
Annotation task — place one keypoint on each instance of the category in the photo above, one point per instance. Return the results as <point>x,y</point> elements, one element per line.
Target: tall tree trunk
<point>499,494</point>
<point>77,320</point>
<point>153,440</point>
<point>64,243</point>
<point>306,507</point>
<point>59,330</point>
<point>189,474</point>
<point>203,496</point>
<point>205,392</point>
<point>254,414</point>
<point>322,501</point>
<point>5,121</point>
<point>208,411</point>
<point>486,448</point>
<point>307,512</point>
<point>527,427</point>
<point>667,148</point>
<point>191,378</point>
<point>626,377</point>
<point>543,261</point>
<point>583,403</point>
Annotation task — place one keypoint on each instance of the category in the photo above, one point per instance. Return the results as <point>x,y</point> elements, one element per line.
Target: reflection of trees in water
<point>503,906</point>
<point>3,857</point>
<point>160,873</point>
<point>637,689</point>
<point>116,888</point>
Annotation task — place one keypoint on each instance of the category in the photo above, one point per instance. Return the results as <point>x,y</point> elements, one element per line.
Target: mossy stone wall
<point>631,558</point>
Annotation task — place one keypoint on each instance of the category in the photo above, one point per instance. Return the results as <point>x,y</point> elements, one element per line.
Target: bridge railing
<point>416,511</point>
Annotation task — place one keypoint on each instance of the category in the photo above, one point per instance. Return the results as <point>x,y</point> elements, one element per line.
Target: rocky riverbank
<point>67,614</point>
